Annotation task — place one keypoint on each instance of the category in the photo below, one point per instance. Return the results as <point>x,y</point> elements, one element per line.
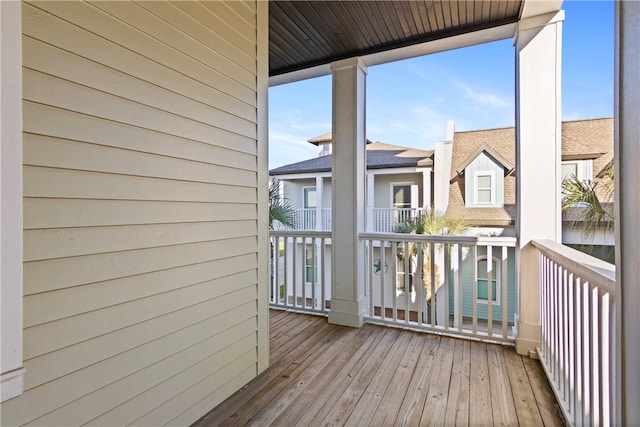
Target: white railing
<point>577,317</point>
<point>437,284</point>
<point>300,270</point>
<point>305,219</point>
<point>326,219</point>
<point>386,220</point>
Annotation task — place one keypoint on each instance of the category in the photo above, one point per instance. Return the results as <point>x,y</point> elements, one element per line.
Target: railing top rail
<point>587,267</point>
<point>434,238</point>
<point>299,233</point>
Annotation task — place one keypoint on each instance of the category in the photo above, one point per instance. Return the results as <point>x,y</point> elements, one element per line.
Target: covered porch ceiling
<point>308,34</point>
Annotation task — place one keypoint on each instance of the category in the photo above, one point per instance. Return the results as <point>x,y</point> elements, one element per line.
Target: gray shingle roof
<point>379,156</point>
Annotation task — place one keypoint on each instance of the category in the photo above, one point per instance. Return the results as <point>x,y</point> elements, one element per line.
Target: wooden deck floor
<point>323,374</point>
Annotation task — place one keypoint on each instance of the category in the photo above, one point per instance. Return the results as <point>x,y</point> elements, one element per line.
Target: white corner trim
<point>11,384</point>
<point>11,370</point>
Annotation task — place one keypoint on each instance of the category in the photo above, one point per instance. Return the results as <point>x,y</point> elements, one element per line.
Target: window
<point>310,199</point>
<point>401,196</point>
<point>582,169</point>
<point>485,188</point>
<point>569,169</point>
<point>483,280</point>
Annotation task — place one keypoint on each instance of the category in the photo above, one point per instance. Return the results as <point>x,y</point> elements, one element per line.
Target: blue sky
<point>410,101</point>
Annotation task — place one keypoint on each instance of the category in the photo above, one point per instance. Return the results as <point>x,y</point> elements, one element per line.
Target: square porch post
<point>348,195</point>
<point>626,387</point>
<point>538,157</point>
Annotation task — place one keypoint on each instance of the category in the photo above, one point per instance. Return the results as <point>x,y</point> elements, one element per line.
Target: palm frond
<point>280,209</point>
<point>584,195</point>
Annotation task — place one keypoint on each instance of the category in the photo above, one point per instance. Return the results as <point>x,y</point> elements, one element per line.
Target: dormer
<point>484,171</point>
<point>323,142</point>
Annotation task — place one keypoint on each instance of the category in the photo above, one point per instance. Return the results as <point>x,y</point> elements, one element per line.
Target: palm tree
<point>280,209</point>
<point>433,222</point>
<point>588,196</point>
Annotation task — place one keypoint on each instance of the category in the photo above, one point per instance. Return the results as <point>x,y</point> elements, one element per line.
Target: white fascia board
<point>296,76</point>
<point>449,43</point>
<point>396,171</point>
<point>287,177</point>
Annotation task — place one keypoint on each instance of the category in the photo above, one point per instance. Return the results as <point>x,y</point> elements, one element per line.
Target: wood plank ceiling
<point>305,33</point>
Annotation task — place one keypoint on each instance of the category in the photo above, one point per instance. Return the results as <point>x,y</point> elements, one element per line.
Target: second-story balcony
<point>323,374</point>
<point>444,285</point>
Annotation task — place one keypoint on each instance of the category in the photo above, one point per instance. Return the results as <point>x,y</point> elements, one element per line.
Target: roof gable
<point>486,148</point>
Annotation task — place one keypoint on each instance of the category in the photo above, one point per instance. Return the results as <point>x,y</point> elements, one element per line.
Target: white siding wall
<point>140,211</point>
<point>484,163</point>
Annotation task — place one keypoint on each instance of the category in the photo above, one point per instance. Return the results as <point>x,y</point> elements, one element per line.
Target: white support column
<point>538,155</point>
<point>370,205</point>
<point>627,202</point>
<point>319,196</point>
<point>348,195</point>
<point>426,189</point>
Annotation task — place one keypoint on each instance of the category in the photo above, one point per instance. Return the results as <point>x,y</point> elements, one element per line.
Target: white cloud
<point>483,99</point>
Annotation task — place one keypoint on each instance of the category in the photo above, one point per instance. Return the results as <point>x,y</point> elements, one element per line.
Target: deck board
<point>323,374</point>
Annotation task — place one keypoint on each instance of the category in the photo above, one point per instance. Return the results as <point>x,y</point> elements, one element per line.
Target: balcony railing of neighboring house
<point>300,270</point>
<point>386,220</point>
<point>577,317</point>
<point>305,219</point>
<point>326,219</point>
<point>442,284</point>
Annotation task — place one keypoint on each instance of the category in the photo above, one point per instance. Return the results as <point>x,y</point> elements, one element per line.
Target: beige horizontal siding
<point>42,244</point>
<point>66,360</point>
<point>90,18</point>
<point>117,379</point>
<point>51,122</point>
<point>78,300</point>
<point>53,213</point>
<point>80,156</point>
<point>140,211</point>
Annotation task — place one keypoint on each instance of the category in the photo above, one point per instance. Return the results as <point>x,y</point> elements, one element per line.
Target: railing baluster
<point>432,284</point>
<point>420,285</point>
<point>474,290</point>
<point>458,291</point>
<point>490,275</point>
<point>445,286</point>
<point>323,277</point>
<point>505,291</point>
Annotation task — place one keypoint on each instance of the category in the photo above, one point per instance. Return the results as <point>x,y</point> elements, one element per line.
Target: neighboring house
<point>476,175</point>
<point>398,185</point>
<point>481,187</point>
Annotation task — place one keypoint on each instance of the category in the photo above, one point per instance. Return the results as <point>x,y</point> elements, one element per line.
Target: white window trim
<point>11,369</point>
<point>497,274</point>
<point>477,174</point>
<point>304,196</point>
<point>584,168</point>
<point>410,184</point>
